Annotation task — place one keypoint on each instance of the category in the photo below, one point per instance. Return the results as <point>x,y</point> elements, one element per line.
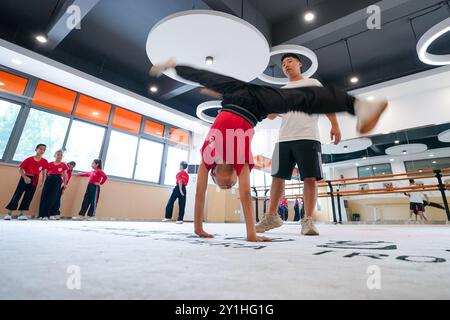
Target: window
<point>84,144</point>
<point>258,178</point>
<point>179,136</point>
<point>154,128</point>
<point>174,157</point>
<point>427,164</point>
<point>127,120</point>
<point>41,127</point>
<point>12,83</point>
<point>375,170</point>
<point>93,109</point>
<point>54,97</point>
<point>148,165</point>
<point>121,155</point>
<point>8,115</point>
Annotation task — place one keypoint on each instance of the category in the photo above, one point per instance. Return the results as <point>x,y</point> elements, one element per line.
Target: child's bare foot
<point>158,69</point>
<point>203,234</point>
<point>258,239</point>
<point>368,113</point>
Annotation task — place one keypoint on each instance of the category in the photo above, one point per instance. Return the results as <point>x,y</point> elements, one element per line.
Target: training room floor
<point>151,260</point>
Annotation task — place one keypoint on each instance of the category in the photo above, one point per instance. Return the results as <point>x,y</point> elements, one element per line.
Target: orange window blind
<point>93,109</point>
<point>54,97</point>
<point>154,128</point>
<point>12,83</point>
<point>179,136</point>
<point>127,120</point>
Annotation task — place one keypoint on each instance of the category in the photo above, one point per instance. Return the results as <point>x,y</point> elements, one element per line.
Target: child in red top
<point>70,165</point>
<point>179,192</point>
<point>51,193</point>
<point>96,178</point>
<point>29,170</point>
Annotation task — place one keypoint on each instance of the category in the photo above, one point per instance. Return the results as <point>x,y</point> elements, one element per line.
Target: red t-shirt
<point>53,168</point>
<point>96,176</point>
<point>69,175</point>
<point>183,176</point>
<point>229,140</point>
<point>33,167</point>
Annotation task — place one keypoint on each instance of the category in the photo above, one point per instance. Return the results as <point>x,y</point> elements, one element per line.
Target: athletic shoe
<point>269,222</point>
<point>368,113</point>
<point>158,69</point>
<point>78,218</point>
<point>22,217</point>
<point>45,218</point>
<point>90,219</point>
<point>166,220</point>
<point>7,216</point>
<point>179,222</point>
<point>58,217</point>
<point>52,218</point>
<point>308,227</point>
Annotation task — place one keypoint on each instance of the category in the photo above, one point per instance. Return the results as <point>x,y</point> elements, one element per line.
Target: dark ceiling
<point>111,42</point>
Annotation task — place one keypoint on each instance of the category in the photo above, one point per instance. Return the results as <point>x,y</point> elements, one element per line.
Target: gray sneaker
<point>269,222</point>
<point>22,217</point>
<point>308,227</point>
<point>7,216</point>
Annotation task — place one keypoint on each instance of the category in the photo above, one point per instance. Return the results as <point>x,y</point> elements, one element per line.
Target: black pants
<point>90,200</point>
<point>181,203</point>
<point>25,189</point>
<point>50,197</point>
<point>283,212</point>
<point>273,100</point>
<point>297,213</point>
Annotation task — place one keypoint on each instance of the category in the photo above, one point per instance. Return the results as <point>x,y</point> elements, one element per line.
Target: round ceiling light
<point>290,48</point>
<point>348,146</point>
<point>208,105</point>
<point>238,48</point>
<point>407,149</point>
<point>427,39</point>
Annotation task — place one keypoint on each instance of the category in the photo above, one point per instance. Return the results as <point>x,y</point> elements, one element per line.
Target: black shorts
<point>416,207</point>
<point>307,154</point>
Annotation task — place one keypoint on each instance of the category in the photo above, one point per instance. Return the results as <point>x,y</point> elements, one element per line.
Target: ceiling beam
<point>176,92</point>
<point>61,28</point>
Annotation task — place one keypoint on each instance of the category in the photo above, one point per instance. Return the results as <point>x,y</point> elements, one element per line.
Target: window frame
<point>371,169</point>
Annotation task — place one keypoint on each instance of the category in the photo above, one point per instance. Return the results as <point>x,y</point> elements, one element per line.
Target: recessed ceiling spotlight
<point>391,160</point>
<point>367,168</point>
<point>357,164</point>
<point>371,98</point>
<point>16,61</point>
<point>434,162</point>
<point>153,89</point>
<point>309,16</point>
<point>41,38</point>
<point>209,60</point>
<point>431,155</point>
<point>364,158</point>
<point>404,152</point>
<point>345,147</point>
<point>354,79</point>
<point>1,84</point>
<point>397,141</point>
<point>95,113</point>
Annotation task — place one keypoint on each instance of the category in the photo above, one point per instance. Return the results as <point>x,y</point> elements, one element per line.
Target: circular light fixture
<point>431,155</point>
<point>403,149</point>
<point>444,136</point>
<point>2,84</point>
<point>16,61</point>
<point>153,89</point>
<point>95,113</point>
<point>357,164</point>
<point>347,146</point>
<point>434,162</point>
<point>354,79</point>
<point>364,158</point>
<point>391,160</point>
<point>208,105</point>
<point>427,39</point>
<point>397,141</point>
<point>309,16</point>
<point>371,98</point>
<point>290,48</point>
<point>41,38</point>
<point>239,49</point>
<point>209,60</point>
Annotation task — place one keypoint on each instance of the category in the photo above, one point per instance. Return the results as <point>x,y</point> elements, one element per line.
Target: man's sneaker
<point>269,222</point>
<point>308,227</point>
<point>52,218</point>
<point>22,217</point>
<point>78,218</point>
<point>179,222</point>
<point>45,218</point>
<point>90,218</point>
<point>166,220</point>
<point>58,217</point>
<point>368,113</point>
<point>7,216</point>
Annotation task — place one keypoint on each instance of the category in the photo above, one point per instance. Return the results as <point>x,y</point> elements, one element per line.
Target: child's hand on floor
<point>258,239</point>
<point>203,234</point>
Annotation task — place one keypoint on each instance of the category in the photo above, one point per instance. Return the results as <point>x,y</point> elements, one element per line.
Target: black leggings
<point>90,200</point>
<point>22,188</point>
<point>273,100</point>
<point>181,203</point>
<point>51,195</point>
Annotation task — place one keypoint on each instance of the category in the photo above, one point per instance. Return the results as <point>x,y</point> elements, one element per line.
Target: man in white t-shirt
<point>298,143</point>
<point>416,204</point>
